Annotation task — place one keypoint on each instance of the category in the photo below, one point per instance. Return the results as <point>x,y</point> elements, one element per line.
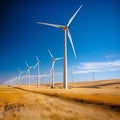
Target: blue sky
<point>95,32</point>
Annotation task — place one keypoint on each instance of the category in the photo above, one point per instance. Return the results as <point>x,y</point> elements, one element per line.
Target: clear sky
<point>95,32</point>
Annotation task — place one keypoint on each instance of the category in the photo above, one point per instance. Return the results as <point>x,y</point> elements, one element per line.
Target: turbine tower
<point>65,29</point>
<point>28,72</point>
<point>52,68</point>
<point>38,70</point>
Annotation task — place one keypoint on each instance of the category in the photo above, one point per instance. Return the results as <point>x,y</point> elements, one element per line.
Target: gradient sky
<point>95,32</point>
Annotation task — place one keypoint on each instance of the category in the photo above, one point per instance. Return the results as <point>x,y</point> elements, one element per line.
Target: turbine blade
<point>37,59</point>
<point>70,38</point>
<point>59,58</point>
<point>35,66</point>
<point>48,24</point>
<point>52,66</point>
<point>50,53</point>
<point>71,19</point>
<point>26,64</point>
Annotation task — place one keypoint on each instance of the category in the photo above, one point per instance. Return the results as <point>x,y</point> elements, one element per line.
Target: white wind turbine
<point>20,75</point>
<point>49,73</point>
<point>65,29</point>
<point>38,70</point>
<point>52,68</point>
<point>28,72</point>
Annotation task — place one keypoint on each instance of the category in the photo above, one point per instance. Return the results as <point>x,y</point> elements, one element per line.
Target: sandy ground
<point>16,104</point>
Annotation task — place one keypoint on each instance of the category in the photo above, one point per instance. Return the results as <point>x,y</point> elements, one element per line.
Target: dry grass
<point>106,93</point>
<point>16,104</point>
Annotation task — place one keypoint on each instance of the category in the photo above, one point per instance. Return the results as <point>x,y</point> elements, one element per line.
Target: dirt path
<point>23,105</point>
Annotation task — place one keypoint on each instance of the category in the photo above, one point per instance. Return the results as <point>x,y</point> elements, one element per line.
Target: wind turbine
<point>65,29</point>
<point>52,68</point>
<point>28,72</point>
<point>15,79</point>
<point>93,73</point>
<point>38,70</point>
<point>20,75</point>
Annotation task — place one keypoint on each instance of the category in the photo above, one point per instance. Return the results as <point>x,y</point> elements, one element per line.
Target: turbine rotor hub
<point>64,27</point>
<point>53,60</point>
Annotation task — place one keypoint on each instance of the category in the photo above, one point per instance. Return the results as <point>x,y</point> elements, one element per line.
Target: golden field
<point>99,100</point>
<point>99,92</point>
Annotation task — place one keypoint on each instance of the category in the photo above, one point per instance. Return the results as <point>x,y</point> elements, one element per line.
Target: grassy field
<point>99,92</point>
<point>43,103</point>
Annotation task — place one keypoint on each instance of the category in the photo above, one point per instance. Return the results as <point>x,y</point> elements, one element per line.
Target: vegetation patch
<point>13,107</point>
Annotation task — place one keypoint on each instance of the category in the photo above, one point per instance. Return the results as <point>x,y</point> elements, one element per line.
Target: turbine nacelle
<point>53,59</point>
<point>20,72</point>
<point>64,28</point>
<point>28,67</point>
<point>38,62</point>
